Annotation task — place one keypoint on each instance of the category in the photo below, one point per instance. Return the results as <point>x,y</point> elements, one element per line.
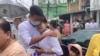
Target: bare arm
<point>37,39</point>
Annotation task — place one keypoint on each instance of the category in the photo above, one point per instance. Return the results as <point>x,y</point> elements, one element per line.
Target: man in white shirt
<point>93,24</point>
<point>88,25</point>
<point>27,30</point>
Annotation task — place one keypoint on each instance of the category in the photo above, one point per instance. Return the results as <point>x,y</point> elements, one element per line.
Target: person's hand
<point>51,33</point>
<point>40,51</point>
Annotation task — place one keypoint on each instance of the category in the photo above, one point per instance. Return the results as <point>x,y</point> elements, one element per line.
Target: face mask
<point>35,23</point>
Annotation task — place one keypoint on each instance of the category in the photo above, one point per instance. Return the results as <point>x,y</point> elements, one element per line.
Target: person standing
<point>66,28</point>
<point>50,45</point>
<point>93,24</point>
<point>53,26</point>
<point>16,22</point>
<point>94,46</point>
<point>88,24</point>
<point>27,30</point>
<point>75,25</point>
<point>8,46</point>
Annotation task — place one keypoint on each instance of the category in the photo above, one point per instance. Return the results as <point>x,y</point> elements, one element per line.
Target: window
<point>51,1</point>
<point>63,1</point>
<point>73,1</point>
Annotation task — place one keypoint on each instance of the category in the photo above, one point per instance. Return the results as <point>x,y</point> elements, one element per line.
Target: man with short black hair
<point>8,46</point>
<point>28,31</point>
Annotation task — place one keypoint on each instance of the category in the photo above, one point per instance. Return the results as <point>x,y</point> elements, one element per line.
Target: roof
<point>76,12</point>
<point>86,10</point>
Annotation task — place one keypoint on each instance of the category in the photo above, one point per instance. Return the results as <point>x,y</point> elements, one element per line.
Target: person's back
<point>15,49</point>
<point>24,28</point>
<point>8,46</point>
<point>94,46</point>
<point>66,29</point>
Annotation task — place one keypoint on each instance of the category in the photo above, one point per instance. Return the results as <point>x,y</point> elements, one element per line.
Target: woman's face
<point>42,27</point>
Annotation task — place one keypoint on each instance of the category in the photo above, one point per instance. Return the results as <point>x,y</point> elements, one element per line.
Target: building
<point>77,9</point>
<point>52,8</point>
<point>95,9</point>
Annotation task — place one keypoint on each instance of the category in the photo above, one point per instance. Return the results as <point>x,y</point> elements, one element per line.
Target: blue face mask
<point>35,23</point>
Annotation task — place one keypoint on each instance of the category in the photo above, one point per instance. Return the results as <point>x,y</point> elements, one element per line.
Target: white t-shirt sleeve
<point>55,45</point>
<point>24,34</point>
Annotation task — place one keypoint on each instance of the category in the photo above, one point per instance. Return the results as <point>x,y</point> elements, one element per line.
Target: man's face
<point>3,37</point>
<point>35,20</point>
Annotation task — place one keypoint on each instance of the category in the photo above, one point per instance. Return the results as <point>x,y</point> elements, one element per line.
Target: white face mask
<point>35,23</point>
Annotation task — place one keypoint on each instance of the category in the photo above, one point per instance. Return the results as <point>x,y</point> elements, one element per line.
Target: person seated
<point>8,46</point>
<point>49,46</point>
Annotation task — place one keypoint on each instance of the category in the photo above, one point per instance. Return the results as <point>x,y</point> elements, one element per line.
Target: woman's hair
<point>75,50</point>
<point>54,23</point>
<point>43,20</point>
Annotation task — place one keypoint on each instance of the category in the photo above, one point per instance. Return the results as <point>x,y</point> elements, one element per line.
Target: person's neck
<point>52,28</point>
<point>44,30</point>
<point>6,44</point>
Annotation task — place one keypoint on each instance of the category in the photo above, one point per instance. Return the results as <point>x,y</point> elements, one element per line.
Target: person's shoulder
<point>96,36</point>
<point>47,30</point>
<point>17,49</point>
<point>25,23</point>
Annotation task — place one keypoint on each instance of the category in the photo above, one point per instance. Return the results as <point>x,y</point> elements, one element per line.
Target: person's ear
<point>9,33</point>
<point>29,16</point>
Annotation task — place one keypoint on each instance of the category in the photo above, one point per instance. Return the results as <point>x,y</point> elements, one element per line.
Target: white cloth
<point>15,34</point>
<point>75,24</point>
<point>51,43</point>
<point>26,33</point>
<point>94,26</point>
<point>87,25</point>
<point>91,26</point>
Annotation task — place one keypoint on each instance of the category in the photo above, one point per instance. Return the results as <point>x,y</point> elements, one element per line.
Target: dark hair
<point>43,20</point>
<point>35,10</point>
<point>4,25</point>
<point>54,23</point>
<point>75,50</point>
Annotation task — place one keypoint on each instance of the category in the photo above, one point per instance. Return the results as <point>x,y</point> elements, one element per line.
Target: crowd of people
<point>36,33</point>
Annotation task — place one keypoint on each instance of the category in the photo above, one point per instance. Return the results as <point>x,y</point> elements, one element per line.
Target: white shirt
<point>26,33</point>
<point>94,26</point>
<point>51,43</point>
<point>15,34</point>
<point>75,24</point>
<point>87,25</point>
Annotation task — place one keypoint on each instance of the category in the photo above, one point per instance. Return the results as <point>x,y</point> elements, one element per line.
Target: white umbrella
<point>11,9</point>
